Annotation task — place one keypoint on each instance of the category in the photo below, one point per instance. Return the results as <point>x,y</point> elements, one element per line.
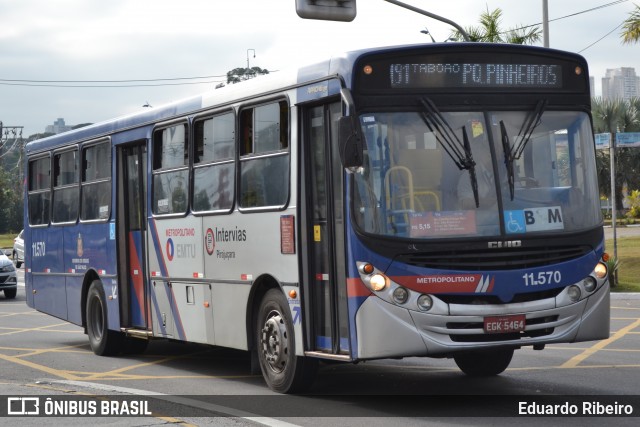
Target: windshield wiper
<point>459,152</point>
<point>511,154</point>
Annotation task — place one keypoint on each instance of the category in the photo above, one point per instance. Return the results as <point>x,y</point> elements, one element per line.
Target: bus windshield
<point>461,174</point>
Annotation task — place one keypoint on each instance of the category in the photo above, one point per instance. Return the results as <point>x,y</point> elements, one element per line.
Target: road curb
<point>625,295</point>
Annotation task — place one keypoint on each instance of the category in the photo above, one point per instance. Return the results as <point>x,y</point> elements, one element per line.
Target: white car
<point>8,277</point>
<point>18,249</point>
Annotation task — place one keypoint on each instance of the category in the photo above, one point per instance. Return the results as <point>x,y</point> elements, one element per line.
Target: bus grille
<point>494,299</point>
<point>494,259</point>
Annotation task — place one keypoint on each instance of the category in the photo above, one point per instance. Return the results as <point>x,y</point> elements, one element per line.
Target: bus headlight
<point>574,293</point>
<point>600,270</point>
<point>378,282</point>
<point>400,295</point>
<point>425,302</point>
<point>589,284</point>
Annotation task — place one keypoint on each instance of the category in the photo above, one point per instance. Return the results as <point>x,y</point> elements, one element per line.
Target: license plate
<point>504,324</point>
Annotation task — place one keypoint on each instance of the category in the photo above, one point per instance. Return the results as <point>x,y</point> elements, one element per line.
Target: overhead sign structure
<point>328,10</point>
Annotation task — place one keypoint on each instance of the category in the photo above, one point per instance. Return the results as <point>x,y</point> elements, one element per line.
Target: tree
<point>613,117</point>
<point>11,202</point>
<point>238,75</point>
<point>631,28</point>
<point>490,31</point>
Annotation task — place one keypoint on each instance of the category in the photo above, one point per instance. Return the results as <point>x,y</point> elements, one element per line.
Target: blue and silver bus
<point>432,200</point>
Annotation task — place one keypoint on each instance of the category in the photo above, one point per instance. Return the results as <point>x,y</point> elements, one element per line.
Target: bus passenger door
<point>325,284</point>
<point>131,225</point>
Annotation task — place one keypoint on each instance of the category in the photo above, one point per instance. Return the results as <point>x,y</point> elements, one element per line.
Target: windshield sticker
<point>476,128</point>
<point>448,223</point>
<point>534,219</point>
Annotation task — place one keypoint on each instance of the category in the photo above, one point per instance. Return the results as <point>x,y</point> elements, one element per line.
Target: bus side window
<point>214,154</point>
<point>96,182</point>
<point>39,190</point>
<point>264,161</point>
<point>170,170</point>
<point>65,187</point>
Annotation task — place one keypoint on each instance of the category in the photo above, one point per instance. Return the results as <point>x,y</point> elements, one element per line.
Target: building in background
<point>58,127</point>
<point>620,83</point>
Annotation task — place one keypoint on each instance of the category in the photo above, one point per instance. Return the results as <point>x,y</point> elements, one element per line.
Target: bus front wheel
<point>103,341</point>
<point>484,363</point>
<point>283,371</point>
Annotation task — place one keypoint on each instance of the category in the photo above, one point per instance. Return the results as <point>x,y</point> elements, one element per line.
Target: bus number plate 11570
<point>504,324</point>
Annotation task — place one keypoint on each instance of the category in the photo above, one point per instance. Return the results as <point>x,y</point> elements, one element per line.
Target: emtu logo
<point>170,249</point>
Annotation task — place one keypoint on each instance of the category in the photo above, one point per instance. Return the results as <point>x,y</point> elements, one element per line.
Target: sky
<point>47,45</point>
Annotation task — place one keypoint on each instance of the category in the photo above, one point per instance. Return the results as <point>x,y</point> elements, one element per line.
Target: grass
<point>6,240</point>
<point>629,268</point>
<point>628,254</point>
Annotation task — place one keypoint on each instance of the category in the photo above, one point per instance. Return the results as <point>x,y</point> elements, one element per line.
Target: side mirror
<point>350,143</point>
<point>328,10</point>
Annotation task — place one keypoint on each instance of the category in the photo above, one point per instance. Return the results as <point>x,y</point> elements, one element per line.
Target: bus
<point>434,200</point>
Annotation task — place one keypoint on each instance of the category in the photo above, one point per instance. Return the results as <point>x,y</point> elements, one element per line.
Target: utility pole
<point>545,22</point>
<point>7,132</point>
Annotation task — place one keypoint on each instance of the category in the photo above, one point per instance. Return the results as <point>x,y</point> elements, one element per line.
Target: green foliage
<point>631,28</point>
<point>11,202</point>
<point>489,31</point>
<point>634,204</point>
<point>240,74</point>
<point>613,116</point>
<point>613,264</point>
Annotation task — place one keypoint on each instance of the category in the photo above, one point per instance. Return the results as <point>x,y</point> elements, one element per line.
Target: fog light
<point>400,295</point>
<point>589,284</point>
<point>425,302</point>
<point>574,293</point>
<point>378,282</point>
<point>600,271</point>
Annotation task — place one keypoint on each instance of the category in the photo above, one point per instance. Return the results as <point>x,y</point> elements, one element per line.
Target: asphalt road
<point>630,231</point>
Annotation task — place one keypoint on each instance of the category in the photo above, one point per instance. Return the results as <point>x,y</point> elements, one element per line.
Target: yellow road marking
<point>56,372</point>
<point>574,361</point>
<point>38,329</point>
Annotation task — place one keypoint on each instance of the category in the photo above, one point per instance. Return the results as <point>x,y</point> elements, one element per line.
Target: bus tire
<point>484,363</point>
<point>283,371</point>
<point>103,341</point>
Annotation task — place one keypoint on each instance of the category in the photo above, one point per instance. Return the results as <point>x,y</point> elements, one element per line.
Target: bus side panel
<point>86,249</point>
<point>47,271</point>
<point>240,249</point>
<point>180,304</point>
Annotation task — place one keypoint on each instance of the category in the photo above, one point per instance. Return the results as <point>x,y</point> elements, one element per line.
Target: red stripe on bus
<point>355,288</point>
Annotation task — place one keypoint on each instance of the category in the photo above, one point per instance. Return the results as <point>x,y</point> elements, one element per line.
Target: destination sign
<point>472,75</point>
<point>478,69</point>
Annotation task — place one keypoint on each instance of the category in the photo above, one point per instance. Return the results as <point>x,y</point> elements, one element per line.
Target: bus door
<point>326,293</point>
<point>131,225</point>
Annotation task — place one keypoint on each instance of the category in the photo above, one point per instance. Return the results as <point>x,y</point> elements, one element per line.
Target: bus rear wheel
<point>484,363</point>
<point>103,341</point>
<point>283,371</point>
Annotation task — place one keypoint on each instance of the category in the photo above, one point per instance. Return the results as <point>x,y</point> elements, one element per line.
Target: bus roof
<point>339,65</point>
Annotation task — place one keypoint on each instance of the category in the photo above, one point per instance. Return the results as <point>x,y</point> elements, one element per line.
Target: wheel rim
<point>274,341</point>
<point>96,318</point>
